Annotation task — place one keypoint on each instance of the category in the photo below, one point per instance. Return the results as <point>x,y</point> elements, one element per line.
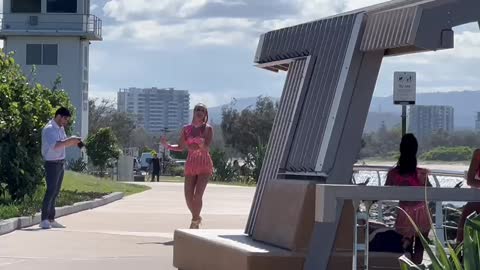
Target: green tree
<point>102,149</point>
<point>139,138</point>
<point>381,144</point>
<point>224,170</point>
<point>459,153</point>
<point>247,129</point>
<point>383,131</point>
<point>25,107</point>
<point>439,139</point>
<point>102,113</point>
<point>248,132</point>
<point>179,155</point>
<point>254,161</point>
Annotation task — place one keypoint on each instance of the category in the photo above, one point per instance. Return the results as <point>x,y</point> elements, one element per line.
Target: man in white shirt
<point>54,142</point>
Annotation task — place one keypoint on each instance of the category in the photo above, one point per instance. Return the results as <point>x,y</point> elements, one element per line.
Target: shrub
<point>77,165</point>
<point>464,257</point>
<point>102,149</point>
<point>177,171</point>
<point>460,153</point>
<point>25,108</point>
<point>223,169</point>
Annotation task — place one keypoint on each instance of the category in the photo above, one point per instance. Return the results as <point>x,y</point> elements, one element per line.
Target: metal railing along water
<point>433,175</point>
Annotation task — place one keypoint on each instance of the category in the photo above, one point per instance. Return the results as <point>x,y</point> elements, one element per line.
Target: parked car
<point>180,162</point>
<point>145,160</point>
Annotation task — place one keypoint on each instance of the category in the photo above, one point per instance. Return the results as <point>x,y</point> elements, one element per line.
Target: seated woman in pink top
<point>473,180</point>
<point>406,173</point>
<point>195,138</point>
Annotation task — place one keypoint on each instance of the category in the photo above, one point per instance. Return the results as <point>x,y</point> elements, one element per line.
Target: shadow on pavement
<point>169,243</point>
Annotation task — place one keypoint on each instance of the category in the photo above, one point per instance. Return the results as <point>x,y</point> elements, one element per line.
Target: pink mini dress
<point>418,211</point>
<point>199,161</point>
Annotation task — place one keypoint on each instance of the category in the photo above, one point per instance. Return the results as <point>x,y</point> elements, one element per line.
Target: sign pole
<point>404,93</point>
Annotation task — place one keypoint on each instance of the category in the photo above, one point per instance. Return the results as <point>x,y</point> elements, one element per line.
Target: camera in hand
<point>81,144</point>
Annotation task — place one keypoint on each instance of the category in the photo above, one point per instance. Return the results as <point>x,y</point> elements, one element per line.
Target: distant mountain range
<point>465,103</point>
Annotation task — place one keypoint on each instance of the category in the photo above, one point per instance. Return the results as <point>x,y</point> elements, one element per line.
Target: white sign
<point>404,88</point>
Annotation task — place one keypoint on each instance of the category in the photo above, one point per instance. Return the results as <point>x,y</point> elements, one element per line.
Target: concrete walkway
<point>133,233</point>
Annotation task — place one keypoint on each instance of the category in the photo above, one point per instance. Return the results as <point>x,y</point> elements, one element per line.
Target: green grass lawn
<point>86,183</point>
<point>76,188</point>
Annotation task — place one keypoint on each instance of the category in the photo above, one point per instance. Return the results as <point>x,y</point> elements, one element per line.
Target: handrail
<point>86,23</point>
<point>328,198</point>
<point>447,173</point>
<point>439,224</point>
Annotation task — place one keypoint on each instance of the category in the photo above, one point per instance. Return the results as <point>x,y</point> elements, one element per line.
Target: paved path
<point>133,233</point>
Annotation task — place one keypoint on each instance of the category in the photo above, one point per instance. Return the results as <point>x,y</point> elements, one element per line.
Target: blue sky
<point>207,47</point>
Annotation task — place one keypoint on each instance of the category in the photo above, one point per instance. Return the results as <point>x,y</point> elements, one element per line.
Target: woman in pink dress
<point>406,173</point>
<point>473,180</point>
<point>196,139</point>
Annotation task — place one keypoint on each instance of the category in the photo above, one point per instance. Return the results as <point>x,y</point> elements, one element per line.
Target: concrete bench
<point>281,240</point>
<point>232,250</point>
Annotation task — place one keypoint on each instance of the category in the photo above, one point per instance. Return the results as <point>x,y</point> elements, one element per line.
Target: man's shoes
<point>45,224</point>
<point>56,225</point>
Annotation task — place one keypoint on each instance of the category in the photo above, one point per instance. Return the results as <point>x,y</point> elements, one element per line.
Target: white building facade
<point>425,120</point>
<point>156,109</point>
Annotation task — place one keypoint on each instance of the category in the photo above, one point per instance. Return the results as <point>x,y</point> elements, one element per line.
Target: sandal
<point>196,223</point>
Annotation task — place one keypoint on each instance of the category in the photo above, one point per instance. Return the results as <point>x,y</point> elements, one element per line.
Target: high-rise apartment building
<point>425,120</point>
<point>156,109</point>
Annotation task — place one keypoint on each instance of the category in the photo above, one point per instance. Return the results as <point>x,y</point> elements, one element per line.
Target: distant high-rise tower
<point>425,120</point>
<point>156,109</point>
<point>54,35</point>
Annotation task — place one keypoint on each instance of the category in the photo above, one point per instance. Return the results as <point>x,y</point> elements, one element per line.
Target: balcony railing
<point>87,25</point>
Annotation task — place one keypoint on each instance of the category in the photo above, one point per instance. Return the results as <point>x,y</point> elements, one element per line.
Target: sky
<point>208,46</point>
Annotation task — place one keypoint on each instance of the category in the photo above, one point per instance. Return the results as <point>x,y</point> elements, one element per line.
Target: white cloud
<point>211,99</point>
<point>152,23</point>
<point>124,9</point>
<point>446,88</point>
<point>97,92</point>
<point>467,47</point>
<point>355,4</point>
<point>315,9</point>
<point>151,34</point>
<point>171,24</point>
<point>97,60</point>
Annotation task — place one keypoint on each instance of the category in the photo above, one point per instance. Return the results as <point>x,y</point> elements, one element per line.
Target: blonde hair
<point>203,106</point>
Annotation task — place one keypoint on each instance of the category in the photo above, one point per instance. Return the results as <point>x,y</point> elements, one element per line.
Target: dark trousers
<point>54,178</point>
<point>157,174</point>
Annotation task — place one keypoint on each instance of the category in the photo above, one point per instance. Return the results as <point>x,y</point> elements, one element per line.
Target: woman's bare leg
<point>189,190</point>
<point>201,184</point>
